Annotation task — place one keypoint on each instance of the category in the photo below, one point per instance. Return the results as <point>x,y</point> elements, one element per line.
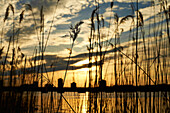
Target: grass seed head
<point>28,6</point>
<point>124,19</point>
<point>21,16</point>
<point>141,22</point>
<point>12,8</point>
<point>116,17</point>
<point>6,14</point>
<point>111,4</point>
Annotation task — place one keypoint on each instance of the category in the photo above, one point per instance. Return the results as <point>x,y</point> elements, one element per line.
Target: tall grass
<point>143,62</point>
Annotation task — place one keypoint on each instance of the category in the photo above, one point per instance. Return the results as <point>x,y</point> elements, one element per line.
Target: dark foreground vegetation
<point>139,82</point>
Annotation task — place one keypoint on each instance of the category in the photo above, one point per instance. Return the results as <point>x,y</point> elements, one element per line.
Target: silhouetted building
<point>102,83</point>
<point>60,83</point>
<point>73,85</point>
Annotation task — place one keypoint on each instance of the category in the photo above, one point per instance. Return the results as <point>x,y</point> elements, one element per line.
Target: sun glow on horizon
<point>83,62</point>
<point>80,63</point>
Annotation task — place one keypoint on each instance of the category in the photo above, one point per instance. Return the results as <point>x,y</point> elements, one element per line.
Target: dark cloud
<point>59,63</point>
<point>22,34</point>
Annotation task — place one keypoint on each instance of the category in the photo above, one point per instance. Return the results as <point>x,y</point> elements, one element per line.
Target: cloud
<point>67,13</point>
<point>64,12</point>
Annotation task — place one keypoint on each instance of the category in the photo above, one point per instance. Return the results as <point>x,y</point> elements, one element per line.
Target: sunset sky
<point>65,14</point>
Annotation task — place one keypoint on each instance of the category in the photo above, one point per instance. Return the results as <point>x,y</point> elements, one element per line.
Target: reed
<point>143,61</point>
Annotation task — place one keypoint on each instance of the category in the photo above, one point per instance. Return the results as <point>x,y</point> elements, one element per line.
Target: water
<point>119,102</point>
<point>148,102</point>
